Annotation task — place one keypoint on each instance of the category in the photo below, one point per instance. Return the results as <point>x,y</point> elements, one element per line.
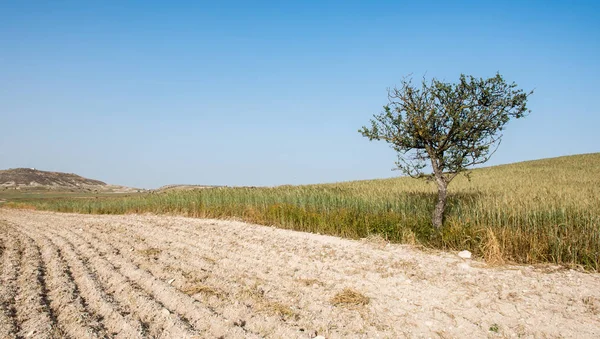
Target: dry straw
<point>349,297</point>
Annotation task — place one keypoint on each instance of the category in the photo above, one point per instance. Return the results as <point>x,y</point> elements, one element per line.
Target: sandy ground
<point>80,276</point>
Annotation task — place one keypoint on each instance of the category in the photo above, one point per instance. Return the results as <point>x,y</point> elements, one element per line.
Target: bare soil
<point>133,276</point>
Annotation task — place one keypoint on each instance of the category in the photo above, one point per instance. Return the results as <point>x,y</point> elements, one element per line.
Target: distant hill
<point>31,179</point>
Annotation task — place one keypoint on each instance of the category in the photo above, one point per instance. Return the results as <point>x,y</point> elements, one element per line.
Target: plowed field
<point>83,276</point>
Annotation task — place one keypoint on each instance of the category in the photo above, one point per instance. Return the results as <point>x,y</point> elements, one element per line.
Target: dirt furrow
<point>184,272</point>
<point>196,314</point>
<point>183,266</point>
<point>245,260</point>
<point>118,322</point>
<point>194,250</point>
<point>157,320</point>
<point>34,313</point>
<point>11,260</point>
<point>69,306</point>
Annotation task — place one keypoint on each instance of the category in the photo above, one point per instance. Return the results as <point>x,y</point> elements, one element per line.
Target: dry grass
<point>261,303</point>
<point>151,252</point>
<point>278,309</point>
<point>409,237</point>
<point>201,289</point>
<point>492,250</point>
<point>350,297</point>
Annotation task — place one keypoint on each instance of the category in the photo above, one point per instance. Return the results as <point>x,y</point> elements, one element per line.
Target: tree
<point>451,126</point>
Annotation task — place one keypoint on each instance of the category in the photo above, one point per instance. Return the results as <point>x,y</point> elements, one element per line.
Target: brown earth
<point>79,276</point>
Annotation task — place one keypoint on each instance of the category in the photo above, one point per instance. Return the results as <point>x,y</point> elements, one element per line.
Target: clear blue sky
<point>147,93</point>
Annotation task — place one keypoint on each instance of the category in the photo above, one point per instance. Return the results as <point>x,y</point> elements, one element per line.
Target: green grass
<point>531,212</point>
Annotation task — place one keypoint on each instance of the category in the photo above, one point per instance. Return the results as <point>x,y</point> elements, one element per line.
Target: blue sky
<point>148,93</point>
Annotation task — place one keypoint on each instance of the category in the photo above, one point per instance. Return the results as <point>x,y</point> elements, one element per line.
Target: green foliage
<point>539,211</point>
<point>452,125</point>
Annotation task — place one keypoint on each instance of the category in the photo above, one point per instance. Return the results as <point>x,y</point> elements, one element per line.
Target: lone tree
<point>452,126</point>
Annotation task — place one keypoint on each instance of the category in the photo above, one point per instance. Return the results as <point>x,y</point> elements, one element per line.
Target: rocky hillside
<point>33,179</point>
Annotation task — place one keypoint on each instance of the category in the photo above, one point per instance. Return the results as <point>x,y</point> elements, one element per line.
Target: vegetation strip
<point>545,211</point>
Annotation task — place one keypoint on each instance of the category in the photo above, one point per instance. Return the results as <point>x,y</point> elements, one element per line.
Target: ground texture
<point>80,276</point>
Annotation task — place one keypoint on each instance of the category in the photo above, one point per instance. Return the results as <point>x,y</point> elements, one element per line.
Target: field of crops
<point>531,212</point>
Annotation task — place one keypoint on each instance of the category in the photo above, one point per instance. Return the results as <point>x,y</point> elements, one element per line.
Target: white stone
<point>465,254</point>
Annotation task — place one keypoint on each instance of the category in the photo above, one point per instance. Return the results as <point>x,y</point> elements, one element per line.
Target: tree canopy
<point>451,126</point>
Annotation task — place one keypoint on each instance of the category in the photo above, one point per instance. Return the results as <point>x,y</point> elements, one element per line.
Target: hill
<point>31,179</point>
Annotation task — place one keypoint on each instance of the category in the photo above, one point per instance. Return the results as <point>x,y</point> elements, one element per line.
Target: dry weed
<point>152,252</point>
<point>409,237</point>
<point>350,297</point>
<point>278,309</point>
<point>203,289</point>
<point>261,303</point>
<point>592,304</point>
<point>492,251</point>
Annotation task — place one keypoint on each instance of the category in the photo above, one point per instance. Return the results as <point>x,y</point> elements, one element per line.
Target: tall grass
<point>531,212</point>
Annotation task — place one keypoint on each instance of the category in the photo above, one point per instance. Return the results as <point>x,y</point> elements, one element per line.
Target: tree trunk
<point>440,207</point>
